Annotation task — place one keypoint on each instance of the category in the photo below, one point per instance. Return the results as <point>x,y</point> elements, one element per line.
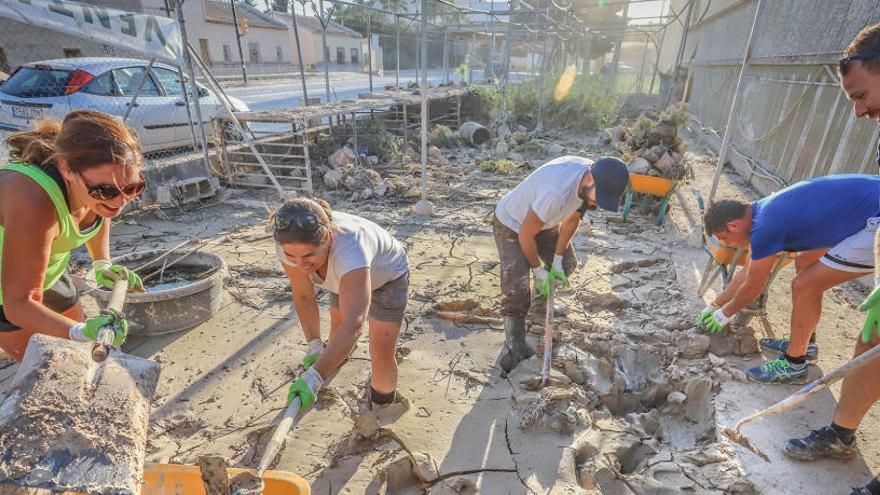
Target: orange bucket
<point>648,184</point>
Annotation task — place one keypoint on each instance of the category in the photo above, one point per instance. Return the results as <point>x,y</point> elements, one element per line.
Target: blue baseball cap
<point>611,178</point>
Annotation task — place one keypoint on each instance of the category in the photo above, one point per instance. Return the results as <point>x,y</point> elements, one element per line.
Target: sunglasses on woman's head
<point>104,192</point>
<point>843,64</point>
<point>303,220</point>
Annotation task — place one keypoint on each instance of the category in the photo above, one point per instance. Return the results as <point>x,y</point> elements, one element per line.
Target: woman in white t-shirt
<point>365,269</point>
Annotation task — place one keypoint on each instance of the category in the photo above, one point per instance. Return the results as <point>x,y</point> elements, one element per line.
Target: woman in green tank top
<point>66,182</point>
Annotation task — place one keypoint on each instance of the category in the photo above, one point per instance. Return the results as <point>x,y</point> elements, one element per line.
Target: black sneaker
<point>817,445</point>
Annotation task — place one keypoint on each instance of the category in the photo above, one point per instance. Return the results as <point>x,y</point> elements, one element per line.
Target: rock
<point>412,192</point>
<point>619,134</point>
<point>676,157</point>
<point>514,156</point>
<point>574,373</point>
<point>501,148</point>
<point>340,158</point>
<point>381,189</point>
<point>424,208</point>
<point>648,154</point>
<point>664,164</point>
<point>434,152</point>
<point>424,466</point>
<point>555,149</point>
<point>332,179</point>
<point>676,398</point>
<point>663,133</point>
<point>639,166</point>
<point>738,375</point>
<point>367,193</point>
<point>735,341</point>
<point>693,345</point>
<point>716,361</point>
<point>373,160</point>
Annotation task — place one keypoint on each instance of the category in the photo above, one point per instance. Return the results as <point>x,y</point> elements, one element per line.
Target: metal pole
<point>189,116</point>
<point>472,65</point>
<point>658,52</point>
<point>195,89</point>
<point>140,86</point>
<point>445,56</point>
<point>509,42</point>
<point>237,39</point>
<point>684,37</point>
<point>722,153</point>
<point>588,54</point>
<point>424,97</point>
<point>370,48</point>
<point>326,55</point>
<point>540,125</point>
<point>299,57</point>
<point>397,38</point>
<point>491,43</point>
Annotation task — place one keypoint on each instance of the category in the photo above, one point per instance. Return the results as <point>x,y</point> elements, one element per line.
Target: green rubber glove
<point>556,271</point>
<point>871,305</point>
<point>542,281</point>
<point>306,388</point>
<point>100,266</point>
<point>109,317</point>
<point>704,315</point>
<point>717,321</point>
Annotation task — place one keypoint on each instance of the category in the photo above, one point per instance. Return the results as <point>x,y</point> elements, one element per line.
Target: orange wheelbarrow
<point>649,191</point>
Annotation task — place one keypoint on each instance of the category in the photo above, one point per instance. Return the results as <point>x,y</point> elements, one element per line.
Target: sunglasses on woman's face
<point>105,192</point>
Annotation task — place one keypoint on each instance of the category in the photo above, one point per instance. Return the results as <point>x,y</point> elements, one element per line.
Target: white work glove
<point>717,322</point>
<point>316,347</point>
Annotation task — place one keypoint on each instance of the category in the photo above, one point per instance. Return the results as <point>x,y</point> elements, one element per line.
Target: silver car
<point>55,87</point>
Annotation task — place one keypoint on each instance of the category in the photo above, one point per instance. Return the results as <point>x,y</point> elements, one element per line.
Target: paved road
<point>268,94</point>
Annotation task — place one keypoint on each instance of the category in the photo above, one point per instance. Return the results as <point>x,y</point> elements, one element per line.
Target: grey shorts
<point>62,296</point>
<point>387,303</point>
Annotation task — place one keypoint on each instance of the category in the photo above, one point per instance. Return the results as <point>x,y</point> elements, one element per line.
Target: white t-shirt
<point>360,243</point>
<point>551,191</point>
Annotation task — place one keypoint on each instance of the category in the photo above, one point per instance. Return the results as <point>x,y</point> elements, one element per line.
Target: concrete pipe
<point>474,133</point>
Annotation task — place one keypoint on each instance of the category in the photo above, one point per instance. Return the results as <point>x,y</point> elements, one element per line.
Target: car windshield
<point>35,82</point>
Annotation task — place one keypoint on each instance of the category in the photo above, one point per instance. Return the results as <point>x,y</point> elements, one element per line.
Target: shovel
<point>798,397</point>
<point>252,484</point>
<point>76,416</point>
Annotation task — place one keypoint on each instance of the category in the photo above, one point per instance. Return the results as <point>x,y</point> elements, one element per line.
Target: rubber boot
<point>515,347</point>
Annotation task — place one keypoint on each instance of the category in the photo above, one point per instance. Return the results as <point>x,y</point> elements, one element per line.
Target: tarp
<point>152,35</point>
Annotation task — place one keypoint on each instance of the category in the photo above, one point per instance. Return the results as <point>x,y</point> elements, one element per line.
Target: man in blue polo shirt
<point>830,222</point>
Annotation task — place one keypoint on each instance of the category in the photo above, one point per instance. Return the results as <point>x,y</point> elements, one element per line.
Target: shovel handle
<point>278,437</point>
<point>104,340</point>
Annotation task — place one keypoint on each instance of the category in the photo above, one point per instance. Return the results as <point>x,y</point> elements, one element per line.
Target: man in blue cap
<point>534,224</point>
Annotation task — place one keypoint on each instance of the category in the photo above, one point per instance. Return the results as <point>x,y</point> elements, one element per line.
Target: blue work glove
<point>316,347</point>
<point>100,266</point>
<point>717,321</point>
<point>306,388</point>
<point>871,304</point>
<point>82,332</point>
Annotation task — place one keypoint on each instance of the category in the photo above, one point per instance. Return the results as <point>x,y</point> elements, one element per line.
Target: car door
<point>150,114</point>
<point>169,82</point>
<point>99,94</point>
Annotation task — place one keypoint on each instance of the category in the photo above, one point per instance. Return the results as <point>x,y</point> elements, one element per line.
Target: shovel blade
<point>71,424</point>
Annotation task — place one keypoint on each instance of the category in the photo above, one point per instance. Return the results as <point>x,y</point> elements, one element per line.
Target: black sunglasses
<point>843,63</point>
<point>303,220</point>
<point>105,192</point>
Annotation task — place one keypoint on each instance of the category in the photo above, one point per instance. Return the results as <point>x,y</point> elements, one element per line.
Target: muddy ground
<point>636,396</point>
